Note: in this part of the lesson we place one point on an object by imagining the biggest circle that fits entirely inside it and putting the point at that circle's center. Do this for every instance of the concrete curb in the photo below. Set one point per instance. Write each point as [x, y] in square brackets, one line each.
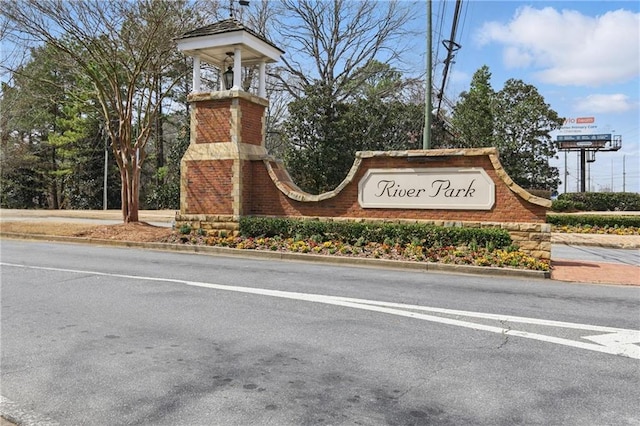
[299, 257]
[601, 244]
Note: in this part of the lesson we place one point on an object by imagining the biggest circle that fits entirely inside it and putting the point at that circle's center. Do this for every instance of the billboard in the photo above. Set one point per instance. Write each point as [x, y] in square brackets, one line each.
[583, 126]
[578, 133]
[601, 137]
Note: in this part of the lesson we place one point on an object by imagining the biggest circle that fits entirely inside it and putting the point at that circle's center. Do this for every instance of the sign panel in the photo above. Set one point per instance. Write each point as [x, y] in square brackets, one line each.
[583, 141]
[433, 188]
[583, 126]
[601, 137]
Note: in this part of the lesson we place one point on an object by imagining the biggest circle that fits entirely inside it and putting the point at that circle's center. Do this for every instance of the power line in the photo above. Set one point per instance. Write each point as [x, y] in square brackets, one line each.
[452, 46]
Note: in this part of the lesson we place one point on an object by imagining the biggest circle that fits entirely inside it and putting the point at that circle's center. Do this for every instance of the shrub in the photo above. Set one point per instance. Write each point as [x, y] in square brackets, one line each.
[185, 229]
[593, 220]
[601, 201]
[564, 206]
[361, 233]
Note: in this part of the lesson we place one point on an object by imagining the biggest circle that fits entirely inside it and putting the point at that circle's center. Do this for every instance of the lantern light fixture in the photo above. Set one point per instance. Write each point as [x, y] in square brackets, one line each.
[227, 76]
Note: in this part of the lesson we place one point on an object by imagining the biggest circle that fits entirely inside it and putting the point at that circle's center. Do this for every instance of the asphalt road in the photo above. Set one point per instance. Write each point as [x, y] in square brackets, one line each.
[109, 336]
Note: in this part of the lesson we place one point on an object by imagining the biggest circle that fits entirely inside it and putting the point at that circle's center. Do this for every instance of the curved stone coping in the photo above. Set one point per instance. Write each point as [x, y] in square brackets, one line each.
[523, 193]
[286, 185]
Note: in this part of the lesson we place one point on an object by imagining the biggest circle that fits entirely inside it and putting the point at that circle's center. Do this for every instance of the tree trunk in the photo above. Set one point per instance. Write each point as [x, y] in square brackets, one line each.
[135, 194]
[130, 177]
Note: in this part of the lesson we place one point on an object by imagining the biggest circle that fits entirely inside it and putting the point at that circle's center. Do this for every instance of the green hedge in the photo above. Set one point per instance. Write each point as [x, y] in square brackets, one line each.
[379, 232]
[597, 201]
[593, 220]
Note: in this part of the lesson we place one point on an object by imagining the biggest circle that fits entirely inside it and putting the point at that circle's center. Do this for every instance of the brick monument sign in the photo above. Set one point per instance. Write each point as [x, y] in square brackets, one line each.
[227, 173]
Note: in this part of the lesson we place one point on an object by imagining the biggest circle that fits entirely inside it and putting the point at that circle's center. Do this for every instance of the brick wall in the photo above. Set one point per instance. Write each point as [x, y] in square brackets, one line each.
[209, 187]
[268, 200]
[251, 122]
[214, 121]
[247, 187]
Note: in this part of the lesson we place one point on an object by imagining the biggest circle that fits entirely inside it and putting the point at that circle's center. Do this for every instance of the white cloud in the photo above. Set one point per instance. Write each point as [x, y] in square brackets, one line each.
[516, 58]
[569, 48]
[459, 77]
[593, 104]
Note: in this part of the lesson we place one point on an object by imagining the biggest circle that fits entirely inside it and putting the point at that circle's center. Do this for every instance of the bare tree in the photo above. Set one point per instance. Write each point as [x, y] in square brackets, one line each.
[329, 41]
[122, 48]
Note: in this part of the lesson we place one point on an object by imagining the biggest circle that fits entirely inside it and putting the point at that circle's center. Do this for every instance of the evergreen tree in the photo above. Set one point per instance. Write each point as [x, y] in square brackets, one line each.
[50, 128]
[318, 153]
[522, 125]
[517, 121]
[380, 116]
[473, 118]
[324, 134]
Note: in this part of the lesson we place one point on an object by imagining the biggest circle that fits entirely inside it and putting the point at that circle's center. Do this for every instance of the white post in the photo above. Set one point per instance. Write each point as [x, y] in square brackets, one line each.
[237, 69]
[262, 84]
[196, 74]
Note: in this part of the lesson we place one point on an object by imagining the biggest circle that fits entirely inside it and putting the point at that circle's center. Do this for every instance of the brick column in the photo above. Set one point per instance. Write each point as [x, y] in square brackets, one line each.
[227, 133]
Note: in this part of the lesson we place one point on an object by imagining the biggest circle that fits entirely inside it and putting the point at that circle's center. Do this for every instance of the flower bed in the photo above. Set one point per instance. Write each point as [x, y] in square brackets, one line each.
[595, 229]
[456, 255]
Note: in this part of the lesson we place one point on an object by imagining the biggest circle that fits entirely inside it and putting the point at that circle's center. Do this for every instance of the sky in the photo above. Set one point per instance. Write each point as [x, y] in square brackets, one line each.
[582, 56]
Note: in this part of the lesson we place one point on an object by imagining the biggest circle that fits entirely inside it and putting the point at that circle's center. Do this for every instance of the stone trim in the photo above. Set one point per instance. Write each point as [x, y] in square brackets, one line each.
[224, 151]
[523, 193]
[291, 190]
[225, 95]
[211, 224]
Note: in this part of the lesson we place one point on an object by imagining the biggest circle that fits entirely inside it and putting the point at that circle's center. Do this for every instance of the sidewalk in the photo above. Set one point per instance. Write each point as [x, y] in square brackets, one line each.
[597, 240]
[160, 216]
[602, 271]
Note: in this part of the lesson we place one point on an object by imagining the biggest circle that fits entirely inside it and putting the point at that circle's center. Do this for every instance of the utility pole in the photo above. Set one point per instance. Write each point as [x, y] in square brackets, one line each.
[624, 174]
[579, 172]
[583, 170]
[426, 139]
[566, 172]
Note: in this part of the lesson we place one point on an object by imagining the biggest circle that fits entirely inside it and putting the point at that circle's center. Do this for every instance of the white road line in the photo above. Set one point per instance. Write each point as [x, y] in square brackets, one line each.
[623, 341]
[616, 341]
